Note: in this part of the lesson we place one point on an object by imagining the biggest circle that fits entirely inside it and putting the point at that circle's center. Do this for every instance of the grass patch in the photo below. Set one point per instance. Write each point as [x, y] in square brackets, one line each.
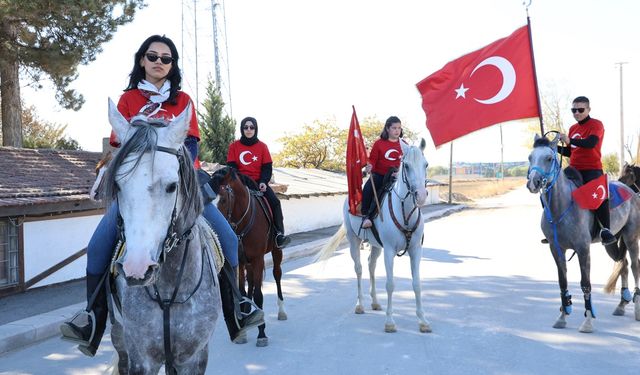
[469, 190]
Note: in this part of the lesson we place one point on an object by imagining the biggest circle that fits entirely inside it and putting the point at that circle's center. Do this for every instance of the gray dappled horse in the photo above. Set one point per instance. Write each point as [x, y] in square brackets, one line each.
[568, 226]
[400, 225]
[166, 284]
[630, 176]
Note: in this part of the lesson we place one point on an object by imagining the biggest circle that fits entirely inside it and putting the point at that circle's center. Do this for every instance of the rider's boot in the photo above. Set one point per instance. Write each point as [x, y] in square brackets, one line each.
[282, 240]
[237, 322]
[607, 237]
[87, 327]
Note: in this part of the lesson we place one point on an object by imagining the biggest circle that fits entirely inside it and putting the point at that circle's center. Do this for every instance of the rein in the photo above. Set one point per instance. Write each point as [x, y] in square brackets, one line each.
[408, 232]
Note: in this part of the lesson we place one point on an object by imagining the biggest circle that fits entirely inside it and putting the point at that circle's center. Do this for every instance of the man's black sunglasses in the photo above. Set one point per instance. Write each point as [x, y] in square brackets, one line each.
[574, 110]
[165, 59]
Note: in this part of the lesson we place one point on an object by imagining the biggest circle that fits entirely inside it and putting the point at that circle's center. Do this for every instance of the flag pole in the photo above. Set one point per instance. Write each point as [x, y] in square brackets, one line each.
[533, 63]
[375, 197]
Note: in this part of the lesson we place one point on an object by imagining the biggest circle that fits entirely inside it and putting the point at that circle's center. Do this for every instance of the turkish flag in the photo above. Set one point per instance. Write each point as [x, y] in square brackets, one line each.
[591, 195]
[356, 160]
[486, 87]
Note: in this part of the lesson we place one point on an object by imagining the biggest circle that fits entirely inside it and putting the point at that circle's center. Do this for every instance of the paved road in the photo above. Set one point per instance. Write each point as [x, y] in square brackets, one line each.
[489, 291]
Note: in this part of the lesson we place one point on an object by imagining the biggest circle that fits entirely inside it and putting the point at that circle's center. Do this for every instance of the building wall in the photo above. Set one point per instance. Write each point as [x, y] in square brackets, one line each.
[49, 242]
[305, 214]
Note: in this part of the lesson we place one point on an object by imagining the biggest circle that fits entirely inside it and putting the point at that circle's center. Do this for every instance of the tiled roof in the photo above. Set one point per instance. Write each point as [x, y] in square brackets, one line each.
[310, 182]
[39, 177]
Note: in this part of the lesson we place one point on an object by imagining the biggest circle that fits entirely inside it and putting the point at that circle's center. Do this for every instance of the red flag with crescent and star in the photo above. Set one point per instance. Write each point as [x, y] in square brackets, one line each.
[591, 195]
[356, 160]
[491, 85]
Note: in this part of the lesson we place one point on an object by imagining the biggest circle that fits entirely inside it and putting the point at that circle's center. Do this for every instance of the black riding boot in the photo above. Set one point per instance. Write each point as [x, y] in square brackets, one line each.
[282, 240]
[236, 321]
[87, 327]
[602, 214]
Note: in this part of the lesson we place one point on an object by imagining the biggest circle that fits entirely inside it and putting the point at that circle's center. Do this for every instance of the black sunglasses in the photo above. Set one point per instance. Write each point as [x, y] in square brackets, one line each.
[248, 127]
[574, 110]
[153, 58]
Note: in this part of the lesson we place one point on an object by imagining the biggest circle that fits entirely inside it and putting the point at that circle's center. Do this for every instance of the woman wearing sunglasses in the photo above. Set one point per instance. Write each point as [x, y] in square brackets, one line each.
[153, 92]
[251, 157]
[583, 147]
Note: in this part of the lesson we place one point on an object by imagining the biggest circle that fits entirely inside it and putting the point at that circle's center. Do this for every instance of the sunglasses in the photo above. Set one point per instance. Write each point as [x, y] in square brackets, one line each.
[153, 58]
[248, 127]
[580, 110]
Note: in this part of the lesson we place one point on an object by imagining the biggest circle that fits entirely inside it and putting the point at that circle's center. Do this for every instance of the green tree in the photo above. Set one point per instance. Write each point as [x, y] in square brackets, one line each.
[611, 163]
[51, 38]
[41, 134]
[316, 146]
[217, 129]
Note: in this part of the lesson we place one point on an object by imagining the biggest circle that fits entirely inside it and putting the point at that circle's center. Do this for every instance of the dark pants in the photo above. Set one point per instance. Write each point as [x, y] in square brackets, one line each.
[368, 203]
[274, 202]
[602, 212]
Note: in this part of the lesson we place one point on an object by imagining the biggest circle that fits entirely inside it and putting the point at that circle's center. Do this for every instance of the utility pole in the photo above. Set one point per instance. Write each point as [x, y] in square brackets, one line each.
[216, 51]
[195, 33]
[620, 64]
[501, 155]
[450, 171]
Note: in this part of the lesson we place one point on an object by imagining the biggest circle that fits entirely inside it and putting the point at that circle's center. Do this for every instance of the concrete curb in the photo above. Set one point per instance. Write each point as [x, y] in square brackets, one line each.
[21, 333]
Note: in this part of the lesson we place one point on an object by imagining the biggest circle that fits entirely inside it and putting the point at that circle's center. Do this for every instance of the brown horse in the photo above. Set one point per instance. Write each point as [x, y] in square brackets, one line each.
[630, 176]
[248, 214]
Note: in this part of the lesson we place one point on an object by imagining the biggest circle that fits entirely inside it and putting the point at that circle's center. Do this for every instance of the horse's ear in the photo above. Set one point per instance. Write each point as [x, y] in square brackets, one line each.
[403, 146]
[423, 144]
[177, 132]
[536, 137]
[119, 124]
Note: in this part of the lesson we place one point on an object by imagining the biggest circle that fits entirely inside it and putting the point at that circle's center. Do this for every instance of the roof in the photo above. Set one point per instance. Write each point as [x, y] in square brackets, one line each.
[45, 181]
[309, 182]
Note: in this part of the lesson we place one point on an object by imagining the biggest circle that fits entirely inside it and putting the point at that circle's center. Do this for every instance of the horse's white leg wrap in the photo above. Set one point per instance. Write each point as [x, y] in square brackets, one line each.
[373, 258]
[282, 313]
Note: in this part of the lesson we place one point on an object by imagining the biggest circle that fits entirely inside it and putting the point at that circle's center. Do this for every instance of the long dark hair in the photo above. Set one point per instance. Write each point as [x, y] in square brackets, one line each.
[137, 73]
[390, 121]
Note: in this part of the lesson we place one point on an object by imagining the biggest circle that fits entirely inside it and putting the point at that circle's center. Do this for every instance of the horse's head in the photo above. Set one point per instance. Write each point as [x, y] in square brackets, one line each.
[543, 163]
[629, 176]
[154, 183]
[414, 170]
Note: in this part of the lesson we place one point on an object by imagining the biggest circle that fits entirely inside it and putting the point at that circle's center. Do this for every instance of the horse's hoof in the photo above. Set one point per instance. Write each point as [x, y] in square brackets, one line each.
[425, 328]
[636, 310]
[359, 309]
[390, 328]
[282, 316]
[262, 342]
[560, 324]
[619, 311]
[586, 328]
[376, 306]
[241, 339]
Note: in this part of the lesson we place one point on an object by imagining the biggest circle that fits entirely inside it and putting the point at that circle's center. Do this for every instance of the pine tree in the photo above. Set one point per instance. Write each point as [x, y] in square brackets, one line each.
[216, 130]
[51, 38]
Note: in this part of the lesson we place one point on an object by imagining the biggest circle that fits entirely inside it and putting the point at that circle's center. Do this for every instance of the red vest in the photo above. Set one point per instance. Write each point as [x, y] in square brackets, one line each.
[586, 158]
[249, 159]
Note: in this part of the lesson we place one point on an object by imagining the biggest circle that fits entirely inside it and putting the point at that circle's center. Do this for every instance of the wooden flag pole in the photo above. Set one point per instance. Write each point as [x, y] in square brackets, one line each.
[375, 197]
[535, 75]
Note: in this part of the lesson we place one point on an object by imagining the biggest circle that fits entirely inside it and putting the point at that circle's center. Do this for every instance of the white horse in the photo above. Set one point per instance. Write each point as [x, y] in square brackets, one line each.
[400, 226]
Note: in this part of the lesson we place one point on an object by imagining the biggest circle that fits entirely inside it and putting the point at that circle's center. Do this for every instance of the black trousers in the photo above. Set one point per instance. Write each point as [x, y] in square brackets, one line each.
[602, 212]
[368, 203]
[274, 202]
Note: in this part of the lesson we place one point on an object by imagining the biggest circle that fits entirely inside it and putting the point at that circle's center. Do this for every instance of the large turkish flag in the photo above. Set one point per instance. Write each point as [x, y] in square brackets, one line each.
[486, 87]
[355, 161]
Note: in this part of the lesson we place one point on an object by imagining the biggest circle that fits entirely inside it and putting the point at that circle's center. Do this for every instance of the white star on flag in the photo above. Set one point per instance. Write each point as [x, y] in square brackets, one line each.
[594, 195]
[255, 158]
[460, 92]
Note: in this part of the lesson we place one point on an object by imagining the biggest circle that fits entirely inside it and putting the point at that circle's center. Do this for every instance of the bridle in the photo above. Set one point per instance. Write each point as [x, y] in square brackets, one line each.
[412, 192]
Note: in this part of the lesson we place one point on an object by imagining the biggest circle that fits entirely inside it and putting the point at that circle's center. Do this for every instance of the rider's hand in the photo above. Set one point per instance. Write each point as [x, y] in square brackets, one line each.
[262, 187]
[564, 138]
[368, 168]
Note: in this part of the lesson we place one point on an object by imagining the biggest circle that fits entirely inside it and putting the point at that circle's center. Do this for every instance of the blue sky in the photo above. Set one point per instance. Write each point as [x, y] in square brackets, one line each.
[293, 62]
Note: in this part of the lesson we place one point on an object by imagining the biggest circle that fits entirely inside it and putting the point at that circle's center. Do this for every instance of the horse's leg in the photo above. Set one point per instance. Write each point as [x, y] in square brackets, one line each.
[584, 257]
[373, 258]
[415, 257]
[197, 363]
[635, 269]
[625, 294]
[257, 267]
[276, 255]
[565, 297]
[389, 255]
[354, 250]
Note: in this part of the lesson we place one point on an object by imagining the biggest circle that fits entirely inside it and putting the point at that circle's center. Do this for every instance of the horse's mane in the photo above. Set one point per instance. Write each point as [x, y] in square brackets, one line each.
[145, 139]
[220, 173]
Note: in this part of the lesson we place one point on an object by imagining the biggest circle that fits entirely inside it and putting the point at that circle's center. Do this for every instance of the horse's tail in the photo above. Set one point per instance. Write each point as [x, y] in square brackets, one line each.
[610, 286]
[331, 246]
[113, 367]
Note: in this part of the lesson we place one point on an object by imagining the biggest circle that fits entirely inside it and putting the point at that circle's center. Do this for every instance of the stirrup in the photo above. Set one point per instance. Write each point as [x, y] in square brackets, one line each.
[364, 221]
[612, 238]
[253, 318]
[70, 332]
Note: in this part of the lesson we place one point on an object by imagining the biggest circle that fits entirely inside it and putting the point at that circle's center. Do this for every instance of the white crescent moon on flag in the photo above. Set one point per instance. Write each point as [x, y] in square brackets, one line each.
[508, 78]
[387, 155]
[242, 154]
[603, 191]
